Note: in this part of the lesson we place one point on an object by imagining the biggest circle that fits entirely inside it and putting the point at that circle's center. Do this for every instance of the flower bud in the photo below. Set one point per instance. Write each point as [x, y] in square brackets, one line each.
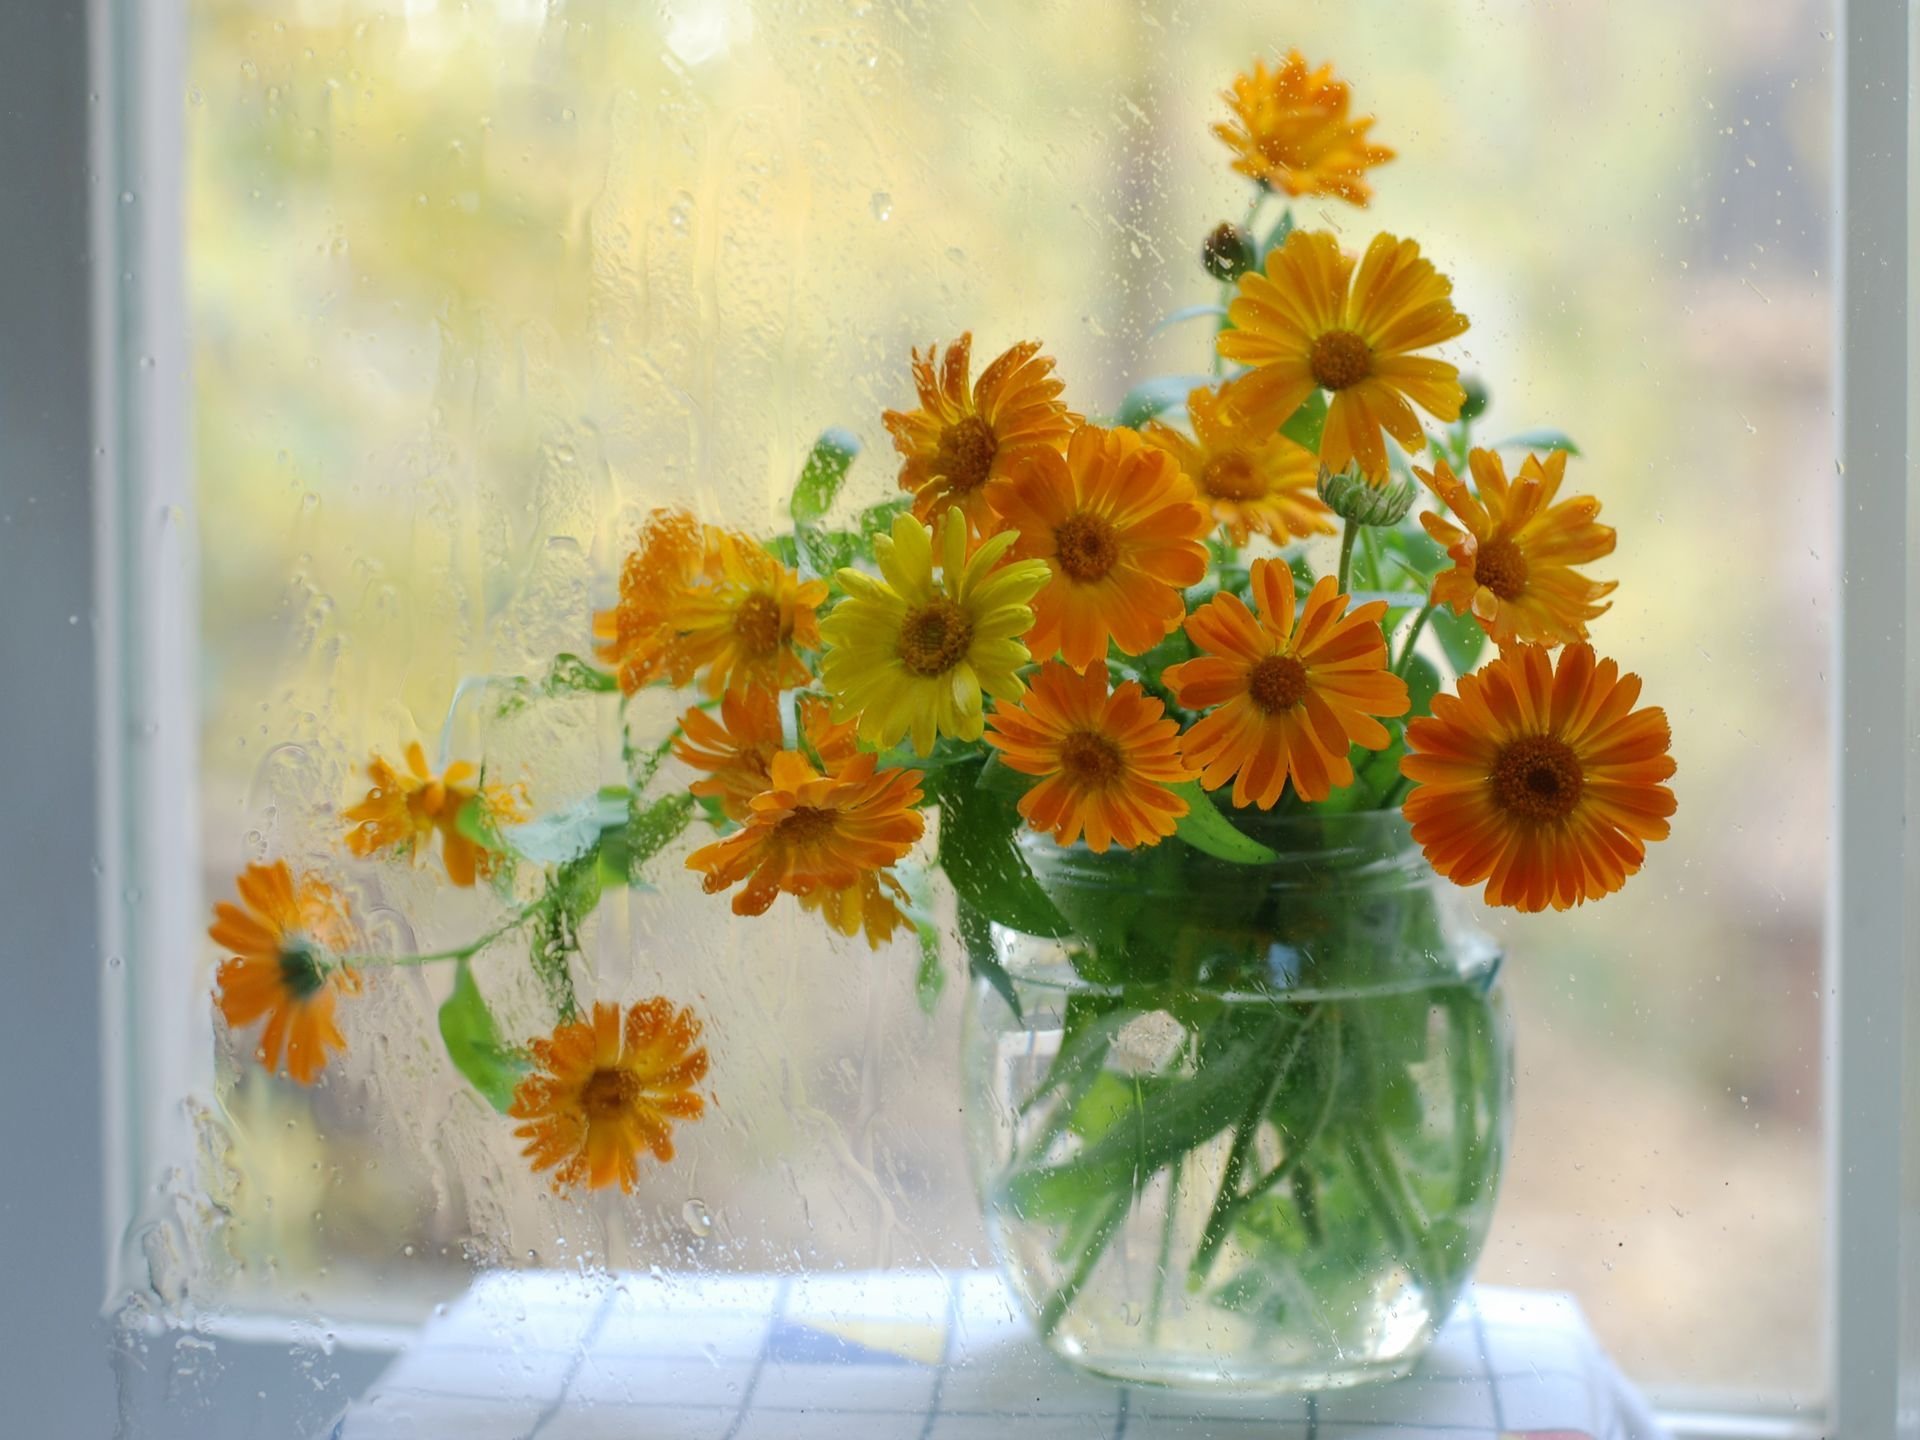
[1227, 252]
[1475, 405]
[1352, 496]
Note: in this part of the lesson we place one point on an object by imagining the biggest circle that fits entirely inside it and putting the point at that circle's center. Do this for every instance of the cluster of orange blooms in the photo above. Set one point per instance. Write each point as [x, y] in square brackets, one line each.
[1036, 548]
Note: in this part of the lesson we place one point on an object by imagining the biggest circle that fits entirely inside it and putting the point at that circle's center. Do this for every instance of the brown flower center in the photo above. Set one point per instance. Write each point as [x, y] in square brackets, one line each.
[609, 1094]
[1232, 476]
[1085, 547]
[1538, 777]
[1278, 683]
[807, 823]
[302, 971]
[1340, 358]
[1502, 568]
[934, 637]
[965, 454]
[756, 624]
[1090, 760]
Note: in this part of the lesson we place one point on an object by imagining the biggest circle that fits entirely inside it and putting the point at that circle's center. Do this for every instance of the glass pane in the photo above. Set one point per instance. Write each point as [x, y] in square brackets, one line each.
[475, 287]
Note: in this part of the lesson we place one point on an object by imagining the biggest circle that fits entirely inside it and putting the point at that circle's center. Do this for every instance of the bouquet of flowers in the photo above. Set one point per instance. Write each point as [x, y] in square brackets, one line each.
[1072, 641]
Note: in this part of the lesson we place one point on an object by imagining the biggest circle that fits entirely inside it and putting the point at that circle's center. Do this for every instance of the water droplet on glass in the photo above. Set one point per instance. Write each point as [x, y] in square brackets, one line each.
[882, 205]
[694, 1212]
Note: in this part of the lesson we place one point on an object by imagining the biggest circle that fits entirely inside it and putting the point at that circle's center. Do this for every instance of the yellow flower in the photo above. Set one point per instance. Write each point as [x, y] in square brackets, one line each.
[286, 946]
[956, 442]
[1513, 564]
[402, 810]
[1291, 131]
[870, 906]
[1254, 481]
[906, 652]
[604, 1091]
[1310, 322]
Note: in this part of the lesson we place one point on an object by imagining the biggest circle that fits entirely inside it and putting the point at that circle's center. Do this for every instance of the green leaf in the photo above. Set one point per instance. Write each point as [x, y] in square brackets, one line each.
[571, 895]
[931, 978]
[1423, 683]
[472, 1038]
[822, 475]
[1538, 440]
[877, 520]
[649, 831]
[1461, 636]
[976, 933]
[1303, 427]
[1207, 830]
[983, 864]
[783, 548]
[567, 675]
[1153, 397]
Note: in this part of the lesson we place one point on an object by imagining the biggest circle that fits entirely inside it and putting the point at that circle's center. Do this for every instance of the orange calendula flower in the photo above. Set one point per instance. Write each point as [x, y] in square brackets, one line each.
[809, 831]
[1291, 131]
[735, 750]
[1310, 322]
[1252, 480]
[605, 1090]
[286, 942]
[403, 809]
[1119, 529]
[695, 598]
[1542, 780]
[636, 636]
[869, 906]
[958, 441]
[1291, 698]
[1107, 759]
[1513, 563]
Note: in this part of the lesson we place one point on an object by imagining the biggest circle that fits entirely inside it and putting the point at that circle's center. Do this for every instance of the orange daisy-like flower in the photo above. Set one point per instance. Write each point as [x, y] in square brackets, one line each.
[1119, 528]
[637, 635]
[1252, 480]
[402, 810]
[957, 442]
[737, 750]
[1542, 780]
[1107, 759]
[730, 608]
[1513, 564]
[869, 906]
[1291, 131]
[286, 942]
[1310, 322]
[1292, 697]
[809, 831]
[604, 1091]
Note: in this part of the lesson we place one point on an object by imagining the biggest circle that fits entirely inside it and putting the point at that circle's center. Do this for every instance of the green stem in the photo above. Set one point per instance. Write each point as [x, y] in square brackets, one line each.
[1413, 638]
[1296, 1152]
[1166, 1245]
[1379, 1175]
[1347, 537]
[1108, 1225]
[458, 952]
[1215, 1234]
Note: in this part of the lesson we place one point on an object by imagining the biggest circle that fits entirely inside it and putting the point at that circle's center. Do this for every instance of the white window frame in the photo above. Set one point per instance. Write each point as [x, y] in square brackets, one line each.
[144, 750]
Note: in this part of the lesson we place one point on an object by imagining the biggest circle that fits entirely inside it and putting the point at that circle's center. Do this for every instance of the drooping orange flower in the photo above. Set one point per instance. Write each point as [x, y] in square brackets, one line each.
[956, 442]
[735, 750]
[287, 942]
[736, 612]
[1106, 760]
[1513, 563]
[1291, 131]
[1119, 528]
[1291, 698]
[1310, 322]
[809, 831]
[1542, 780]
[636, 636]
[604, 1091]
[1252, 480]
[869, 906]
[403, 809]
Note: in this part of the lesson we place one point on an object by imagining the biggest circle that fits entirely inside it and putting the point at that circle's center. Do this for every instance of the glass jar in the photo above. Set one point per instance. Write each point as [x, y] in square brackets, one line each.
[1239, 1124]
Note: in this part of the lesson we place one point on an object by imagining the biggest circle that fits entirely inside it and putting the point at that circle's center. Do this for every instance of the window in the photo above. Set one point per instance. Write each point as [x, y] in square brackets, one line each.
[470, 288]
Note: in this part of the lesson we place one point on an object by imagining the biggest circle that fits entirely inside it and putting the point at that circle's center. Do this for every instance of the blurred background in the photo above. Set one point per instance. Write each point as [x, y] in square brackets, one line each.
[475, 285]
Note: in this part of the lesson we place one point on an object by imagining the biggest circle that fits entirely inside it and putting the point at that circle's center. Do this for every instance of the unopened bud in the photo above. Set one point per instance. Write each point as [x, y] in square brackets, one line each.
[1228, 252]
[1352, 496]
[1475, 405]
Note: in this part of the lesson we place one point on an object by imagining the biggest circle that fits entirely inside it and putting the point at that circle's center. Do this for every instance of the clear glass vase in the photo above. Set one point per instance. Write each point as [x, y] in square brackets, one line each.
[1233, 1124]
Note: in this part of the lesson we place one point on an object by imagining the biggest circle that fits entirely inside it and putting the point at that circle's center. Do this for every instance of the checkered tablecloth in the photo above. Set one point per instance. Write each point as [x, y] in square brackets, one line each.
[919, 1356]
